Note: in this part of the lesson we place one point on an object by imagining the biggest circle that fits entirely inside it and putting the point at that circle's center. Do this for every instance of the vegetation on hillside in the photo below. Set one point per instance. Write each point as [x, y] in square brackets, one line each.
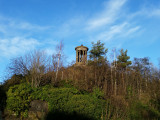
[62, 99]
[101, 90]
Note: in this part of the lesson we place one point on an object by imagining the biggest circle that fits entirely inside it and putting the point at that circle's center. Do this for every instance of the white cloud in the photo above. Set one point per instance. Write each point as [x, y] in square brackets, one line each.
[17, 45]
[132, 30]
[27, 26]
[2, 29]
[13, 27]
[17, 37]
[146, 12]
[117, 32]
[70, 27]
[154, 12]
[107, 16]
[50, 51]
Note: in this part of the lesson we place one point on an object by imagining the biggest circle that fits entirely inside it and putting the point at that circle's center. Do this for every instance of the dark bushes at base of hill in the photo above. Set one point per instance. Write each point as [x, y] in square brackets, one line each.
[69, 103]
[140, 111]
[3, 98]
[18, 99]
[62, 101]
[59, 115]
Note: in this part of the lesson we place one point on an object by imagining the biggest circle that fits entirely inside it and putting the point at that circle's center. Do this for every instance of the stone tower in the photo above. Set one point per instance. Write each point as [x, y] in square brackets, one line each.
[81, 55]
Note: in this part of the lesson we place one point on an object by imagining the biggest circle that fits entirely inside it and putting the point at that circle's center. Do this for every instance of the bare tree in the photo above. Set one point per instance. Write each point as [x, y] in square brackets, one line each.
[18, 66]
[38, 64]
[32, 64]
[114, 67]
[57, 60]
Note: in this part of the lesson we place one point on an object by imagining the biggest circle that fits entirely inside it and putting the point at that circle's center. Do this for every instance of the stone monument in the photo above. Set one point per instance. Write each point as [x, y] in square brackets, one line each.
[81, 55]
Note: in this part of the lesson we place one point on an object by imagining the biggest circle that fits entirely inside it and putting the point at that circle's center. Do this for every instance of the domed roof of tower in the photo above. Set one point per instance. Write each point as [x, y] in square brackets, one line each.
[81, 47]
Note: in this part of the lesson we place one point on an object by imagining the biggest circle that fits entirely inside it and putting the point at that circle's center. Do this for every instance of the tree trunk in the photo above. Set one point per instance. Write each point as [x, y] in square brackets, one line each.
[115, 84]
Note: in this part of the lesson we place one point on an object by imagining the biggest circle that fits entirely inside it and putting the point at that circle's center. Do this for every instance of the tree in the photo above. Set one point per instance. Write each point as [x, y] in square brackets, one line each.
[98, 51]
[98, 63]
[19, 66]
[57, 59]
[37, 68]
[32, 65]
[122, 61]
[142, 65]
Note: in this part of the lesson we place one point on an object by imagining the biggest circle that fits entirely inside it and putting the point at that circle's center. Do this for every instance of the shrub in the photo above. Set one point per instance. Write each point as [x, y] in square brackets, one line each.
[3, 98]
[18, 99]
[64, 100]
[86, 105]
[140, 111]
[97, 93]
[56, 97]
[71, 101]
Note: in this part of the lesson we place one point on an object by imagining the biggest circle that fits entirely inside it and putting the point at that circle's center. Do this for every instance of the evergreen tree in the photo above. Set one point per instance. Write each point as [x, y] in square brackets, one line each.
[123, 62]
[98, 51]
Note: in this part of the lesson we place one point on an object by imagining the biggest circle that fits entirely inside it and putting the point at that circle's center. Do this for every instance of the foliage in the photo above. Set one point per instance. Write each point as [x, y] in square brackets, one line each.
[140, 111]
[98, 51]
[3, 98]
[86, 105]
[65, 84]
[18, 99]
[142, 65]
[14, 80]
[62, 99]
[70, 100]
[59, 115]
[56, 97]
[123, 59]
[94, 91]
[32, 66]
[97, 93]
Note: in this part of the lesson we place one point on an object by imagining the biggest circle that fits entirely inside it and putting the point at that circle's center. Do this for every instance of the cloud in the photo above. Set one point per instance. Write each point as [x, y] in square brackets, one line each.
[14, 27]
[69, 27]
[107, 16]
[146, 12]
[17, 37]
[17, 45]
[28, 26]
[111, 23]
[132, 30]
[154, 12]
[50, 51]
[117, 31]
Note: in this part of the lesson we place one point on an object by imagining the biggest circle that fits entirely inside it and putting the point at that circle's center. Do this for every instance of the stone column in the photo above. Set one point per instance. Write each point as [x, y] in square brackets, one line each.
[86, 56]
[76, 56]
[83, 57]
[79, 55]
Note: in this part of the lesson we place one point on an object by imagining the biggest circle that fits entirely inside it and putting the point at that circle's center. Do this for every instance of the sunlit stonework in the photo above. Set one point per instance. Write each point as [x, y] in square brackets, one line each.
[81, 55]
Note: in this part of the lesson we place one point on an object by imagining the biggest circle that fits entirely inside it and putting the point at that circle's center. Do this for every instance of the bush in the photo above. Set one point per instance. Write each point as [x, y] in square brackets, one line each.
[59, 115]
[18, 99]
[86, 105]
[14, 80]
[3, 98]
[64, 100]
[71, 101]
[140, 111]
[97, 93]
[56, 97]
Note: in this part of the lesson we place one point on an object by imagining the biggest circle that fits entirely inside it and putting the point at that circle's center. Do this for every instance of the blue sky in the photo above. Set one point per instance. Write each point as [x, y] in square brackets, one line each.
[26, 25]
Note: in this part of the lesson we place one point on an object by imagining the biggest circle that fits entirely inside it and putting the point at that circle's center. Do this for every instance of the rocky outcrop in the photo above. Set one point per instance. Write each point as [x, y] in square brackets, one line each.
[39, 105]
[38, 110]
